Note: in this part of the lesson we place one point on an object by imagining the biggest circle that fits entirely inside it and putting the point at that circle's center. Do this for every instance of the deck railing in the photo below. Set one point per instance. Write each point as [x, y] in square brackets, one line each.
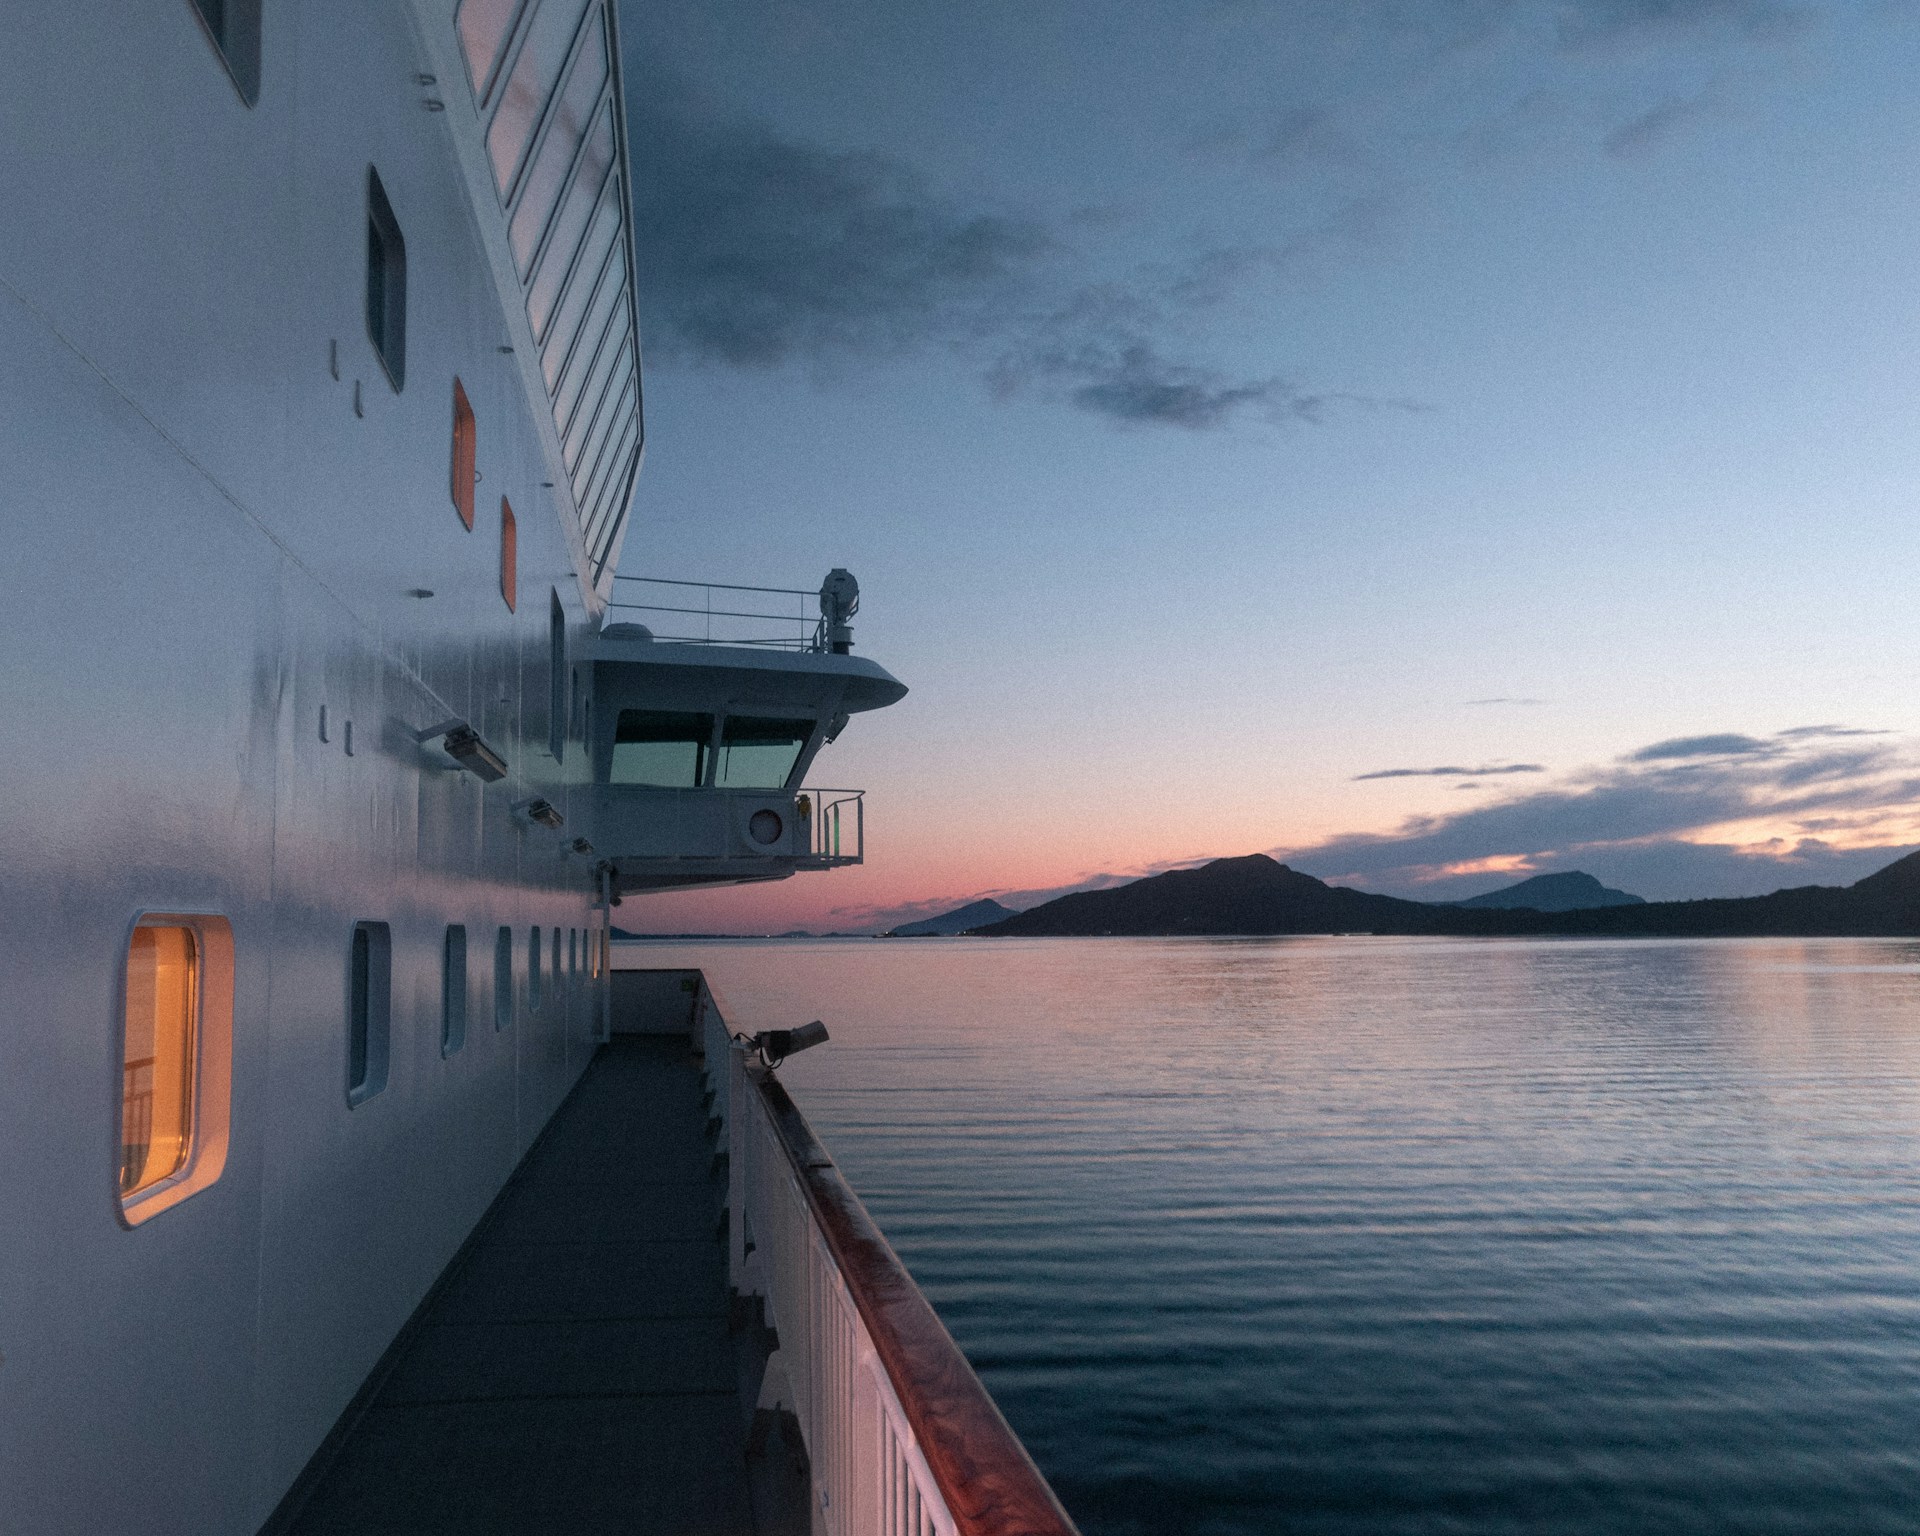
[721, 613]
[902, 1438]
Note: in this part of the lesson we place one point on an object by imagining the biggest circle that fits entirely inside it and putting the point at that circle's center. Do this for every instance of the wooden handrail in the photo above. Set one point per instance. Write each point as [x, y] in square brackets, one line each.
[989, 1482]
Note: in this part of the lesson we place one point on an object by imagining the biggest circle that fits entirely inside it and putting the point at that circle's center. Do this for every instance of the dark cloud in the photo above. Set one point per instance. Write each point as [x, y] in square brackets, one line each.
[1724, 745]
[1800, 732]
[1585, 22]
[1641, 135]
[1448, 773]
[757, 250]
[1840, 809]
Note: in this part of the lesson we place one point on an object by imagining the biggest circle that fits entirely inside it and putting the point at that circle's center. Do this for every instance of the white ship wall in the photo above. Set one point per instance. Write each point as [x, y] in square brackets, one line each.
[203, 546]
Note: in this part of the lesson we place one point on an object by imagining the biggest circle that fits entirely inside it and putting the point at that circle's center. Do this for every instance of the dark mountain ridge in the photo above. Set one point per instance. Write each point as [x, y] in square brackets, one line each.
[1561, 891]
[1256, 895]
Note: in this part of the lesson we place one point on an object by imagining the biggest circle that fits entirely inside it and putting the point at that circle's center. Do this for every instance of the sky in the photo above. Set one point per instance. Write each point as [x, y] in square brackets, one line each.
[1429, 441]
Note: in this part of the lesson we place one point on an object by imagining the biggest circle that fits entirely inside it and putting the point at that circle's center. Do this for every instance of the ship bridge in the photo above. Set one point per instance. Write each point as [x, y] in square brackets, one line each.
[713, 702]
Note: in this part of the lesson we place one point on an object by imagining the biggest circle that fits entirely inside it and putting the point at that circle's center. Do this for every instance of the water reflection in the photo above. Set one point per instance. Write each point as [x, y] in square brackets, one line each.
[1393, 1235]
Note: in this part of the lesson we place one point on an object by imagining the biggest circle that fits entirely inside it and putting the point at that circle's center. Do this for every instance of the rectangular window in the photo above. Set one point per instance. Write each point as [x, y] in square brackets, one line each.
[536, 69]
[557, 973]
[465, 450]
[386, 283]
[484, 26]
[551, 162]
[760, 754]
[453, 991]
[595, 274]
[556, 678]
[162, 1055]
[503, 978]
[533, 969]
[369, 1010]
[233, 26]
[176, 1055]
[573, 953]
[570, 224]
[662, 747]
[509, 556]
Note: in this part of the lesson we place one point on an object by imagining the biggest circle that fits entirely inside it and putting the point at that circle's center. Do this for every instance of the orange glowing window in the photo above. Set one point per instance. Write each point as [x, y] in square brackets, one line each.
[509, 556]
[463, 454]
[157, 1075]
[175, 1039]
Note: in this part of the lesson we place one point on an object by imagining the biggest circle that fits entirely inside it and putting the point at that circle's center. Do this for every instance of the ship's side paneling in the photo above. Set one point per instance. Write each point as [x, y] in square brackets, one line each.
[210, 545]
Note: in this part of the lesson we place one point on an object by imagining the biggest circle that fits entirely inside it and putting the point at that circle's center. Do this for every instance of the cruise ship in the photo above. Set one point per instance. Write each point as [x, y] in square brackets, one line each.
[351, 1186]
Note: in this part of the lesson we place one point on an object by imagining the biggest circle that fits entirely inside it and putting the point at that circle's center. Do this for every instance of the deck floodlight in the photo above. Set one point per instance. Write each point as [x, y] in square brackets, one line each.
[462, 743]
[776, 1045]
[839, 602]
[582, 847]
[543, 811]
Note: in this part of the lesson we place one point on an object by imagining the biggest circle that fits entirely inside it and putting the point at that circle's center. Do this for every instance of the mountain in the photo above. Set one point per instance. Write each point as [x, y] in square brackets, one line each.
[975, 914]
[1256, 895]
[1567, 891]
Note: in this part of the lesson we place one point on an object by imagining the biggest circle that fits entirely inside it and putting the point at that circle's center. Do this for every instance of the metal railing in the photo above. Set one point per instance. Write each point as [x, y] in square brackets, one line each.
[901, 1437]
[836, 823]
[688, 608]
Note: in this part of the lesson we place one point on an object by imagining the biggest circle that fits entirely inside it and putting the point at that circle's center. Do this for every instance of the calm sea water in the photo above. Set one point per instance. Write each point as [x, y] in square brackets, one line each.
[1393, 1236]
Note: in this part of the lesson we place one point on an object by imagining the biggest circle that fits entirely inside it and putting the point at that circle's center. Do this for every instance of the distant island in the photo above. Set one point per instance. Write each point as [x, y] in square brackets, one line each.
[975, 914]
[1566, 891]
[1257, 895]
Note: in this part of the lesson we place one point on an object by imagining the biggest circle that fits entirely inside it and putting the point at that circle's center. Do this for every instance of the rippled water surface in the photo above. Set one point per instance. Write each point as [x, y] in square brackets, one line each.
[1386, 1236]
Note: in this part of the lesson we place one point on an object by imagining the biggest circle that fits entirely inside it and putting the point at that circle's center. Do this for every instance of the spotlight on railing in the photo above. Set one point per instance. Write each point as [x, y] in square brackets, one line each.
[776, 1045]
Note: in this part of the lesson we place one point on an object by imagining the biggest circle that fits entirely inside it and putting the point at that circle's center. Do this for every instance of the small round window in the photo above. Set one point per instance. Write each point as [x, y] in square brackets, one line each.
[765, 827]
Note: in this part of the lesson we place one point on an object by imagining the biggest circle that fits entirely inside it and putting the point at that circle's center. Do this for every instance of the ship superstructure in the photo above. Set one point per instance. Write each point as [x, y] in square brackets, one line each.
[320, 430]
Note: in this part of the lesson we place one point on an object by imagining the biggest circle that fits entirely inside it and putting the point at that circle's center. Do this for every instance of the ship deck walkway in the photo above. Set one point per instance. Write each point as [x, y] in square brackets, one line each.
[574, 1371]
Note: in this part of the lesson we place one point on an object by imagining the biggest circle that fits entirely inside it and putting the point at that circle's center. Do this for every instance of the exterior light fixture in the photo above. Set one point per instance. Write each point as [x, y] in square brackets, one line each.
[582, 847]
[542, 811]
[462, 743]
[776, 1045]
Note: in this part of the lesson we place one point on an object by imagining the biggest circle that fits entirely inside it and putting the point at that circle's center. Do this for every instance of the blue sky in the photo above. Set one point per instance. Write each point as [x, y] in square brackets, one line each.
[1227, 406]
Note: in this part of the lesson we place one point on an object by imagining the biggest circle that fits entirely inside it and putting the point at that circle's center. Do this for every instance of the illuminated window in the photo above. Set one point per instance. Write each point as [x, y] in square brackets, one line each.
[386, 283]
[175, 1058]
[663, 747]
[559, 145]
[369, 1010]
[509, 557]
[533, 969]
[760, 754]
[464, 449]
[234, 29]
[453, 991]
[503, 978]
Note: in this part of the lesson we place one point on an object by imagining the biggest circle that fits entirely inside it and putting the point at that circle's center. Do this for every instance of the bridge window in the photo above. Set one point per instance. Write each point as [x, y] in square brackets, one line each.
[533, 969]
[760, 754]
[369, 1010]
[484, 26]
[386, 283]
[661, 747]
[233, 26]
[523, 101]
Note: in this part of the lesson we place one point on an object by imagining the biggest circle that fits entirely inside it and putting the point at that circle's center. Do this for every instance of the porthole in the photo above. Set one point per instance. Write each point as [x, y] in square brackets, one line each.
[765, 826]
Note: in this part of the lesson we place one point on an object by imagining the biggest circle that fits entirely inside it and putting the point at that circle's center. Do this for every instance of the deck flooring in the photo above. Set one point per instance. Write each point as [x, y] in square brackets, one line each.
[575, 1372]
